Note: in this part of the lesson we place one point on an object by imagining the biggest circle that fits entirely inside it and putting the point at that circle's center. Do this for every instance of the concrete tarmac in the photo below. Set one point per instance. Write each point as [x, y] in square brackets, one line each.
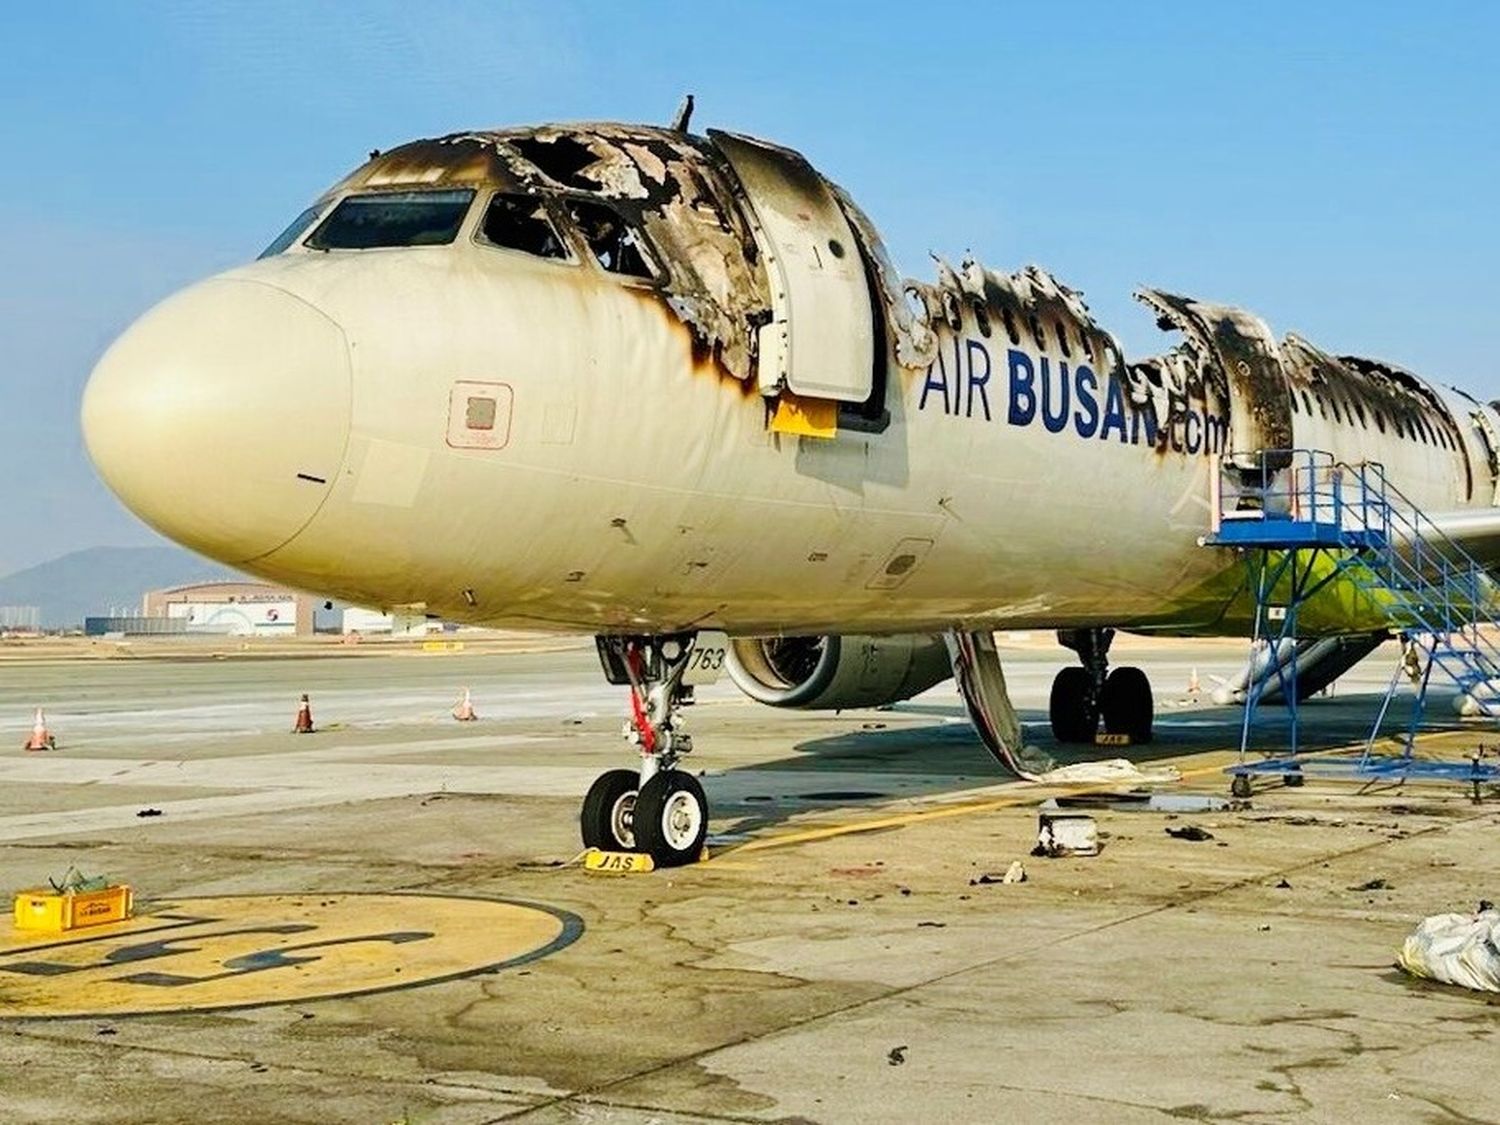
[381, 922]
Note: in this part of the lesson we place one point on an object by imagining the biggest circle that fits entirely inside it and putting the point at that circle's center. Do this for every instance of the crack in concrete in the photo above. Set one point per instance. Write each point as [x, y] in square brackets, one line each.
[593, 1093]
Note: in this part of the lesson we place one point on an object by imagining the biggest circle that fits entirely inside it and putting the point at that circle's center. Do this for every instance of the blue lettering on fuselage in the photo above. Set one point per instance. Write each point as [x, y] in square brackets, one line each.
[941, 382]
[1063, 396]
[1054, 402]
[1086, 417]
[1022, 389]
[978, 382]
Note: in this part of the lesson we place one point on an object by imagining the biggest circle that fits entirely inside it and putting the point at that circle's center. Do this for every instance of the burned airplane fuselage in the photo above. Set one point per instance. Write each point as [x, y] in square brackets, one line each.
[614, 378]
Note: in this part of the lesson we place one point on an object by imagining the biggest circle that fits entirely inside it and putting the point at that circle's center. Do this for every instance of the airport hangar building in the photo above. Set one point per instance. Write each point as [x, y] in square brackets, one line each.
[234, 608]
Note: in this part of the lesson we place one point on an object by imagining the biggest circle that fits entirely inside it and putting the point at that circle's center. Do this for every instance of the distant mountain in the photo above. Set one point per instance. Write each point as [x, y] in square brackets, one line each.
[94, 581]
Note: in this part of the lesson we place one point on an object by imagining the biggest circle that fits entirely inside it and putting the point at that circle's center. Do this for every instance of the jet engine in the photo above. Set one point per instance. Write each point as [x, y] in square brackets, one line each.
[825, 673]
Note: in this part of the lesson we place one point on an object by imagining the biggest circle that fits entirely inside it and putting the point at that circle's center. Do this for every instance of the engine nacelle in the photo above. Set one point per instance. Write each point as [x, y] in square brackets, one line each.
[832, 673]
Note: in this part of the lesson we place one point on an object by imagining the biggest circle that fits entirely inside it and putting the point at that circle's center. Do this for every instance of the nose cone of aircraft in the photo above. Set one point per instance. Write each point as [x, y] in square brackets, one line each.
[221, 416]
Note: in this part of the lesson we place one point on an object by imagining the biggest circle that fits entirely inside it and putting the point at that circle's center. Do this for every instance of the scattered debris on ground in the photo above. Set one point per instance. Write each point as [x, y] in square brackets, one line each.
[1189, 832]
[1374, 885]
[1133, 801]
[1108, 771]
[1062, 833]
[149, 812]
[896, 1055]
[1015, 873]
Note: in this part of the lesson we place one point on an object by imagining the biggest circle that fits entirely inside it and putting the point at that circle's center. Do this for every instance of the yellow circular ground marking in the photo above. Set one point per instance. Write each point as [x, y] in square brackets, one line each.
[200, 954]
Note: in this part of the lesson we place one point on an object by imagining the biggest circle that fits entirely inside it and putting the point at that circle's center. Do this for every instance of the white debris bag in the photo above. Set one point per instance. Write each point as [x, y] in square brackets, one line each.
[1461, 949]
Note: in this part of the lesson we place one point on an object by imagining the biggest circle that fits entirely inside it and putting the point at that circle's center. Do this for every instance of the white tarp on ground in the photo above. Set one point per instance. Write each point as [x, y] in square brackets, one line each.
[1462, 949]
[1109, 771]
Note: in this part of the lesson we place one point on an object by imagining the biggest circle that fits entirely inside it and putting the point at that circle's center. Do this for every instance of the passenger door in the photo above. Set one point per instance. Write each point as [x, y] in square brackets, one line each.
[821, 339]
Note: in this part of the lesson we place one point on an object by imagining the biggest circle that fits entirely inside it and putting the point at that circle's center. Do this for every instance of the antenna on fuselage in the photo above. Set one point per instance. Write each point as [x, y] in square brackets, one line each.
[684, 115]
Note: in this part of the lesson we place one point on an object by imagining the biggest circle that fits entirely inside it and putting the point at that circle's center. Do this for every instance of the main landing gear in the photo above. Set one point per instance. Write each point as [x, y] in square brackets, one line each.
[1082, 696]
[659, 809]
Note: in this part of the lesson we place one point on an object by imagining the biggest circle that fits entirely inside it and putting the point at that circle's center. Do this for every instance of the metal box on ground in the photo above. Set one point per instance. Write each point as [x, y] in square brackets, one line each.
[1061, 832]
[59, 911]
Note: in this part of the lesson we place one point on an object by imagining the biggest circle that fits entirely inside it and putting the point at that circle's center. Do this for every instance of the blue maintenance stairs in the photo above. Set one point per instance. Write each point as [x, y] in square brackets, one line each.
[1307, 520]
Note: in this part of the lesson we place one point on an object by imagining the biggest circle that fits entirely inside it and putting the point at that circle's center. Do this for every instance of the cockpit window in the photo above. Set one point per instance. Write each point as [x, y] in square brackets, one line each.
[519, 222]
[617, 245]
[393, 218]
[294, 231]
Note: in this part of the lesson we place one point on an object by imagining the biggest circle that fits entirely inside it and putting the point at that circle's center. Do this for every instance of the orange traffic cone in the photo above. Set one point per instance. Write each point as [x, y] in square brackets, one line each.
[41, 738]
[464, 712]
[1193, 686]
[303, 723]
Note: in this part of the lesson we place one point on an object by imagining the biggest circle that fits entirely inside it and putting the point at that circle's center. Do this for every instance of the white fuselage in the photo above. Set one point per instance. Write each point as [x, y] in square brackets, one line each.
[301, 418]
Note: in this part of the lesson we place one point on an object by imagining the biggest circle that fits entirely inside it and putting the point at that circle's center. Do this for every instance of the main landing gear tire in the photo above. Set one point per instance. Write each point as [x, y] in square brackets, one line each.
[1240, 787]
[671, 818]
[609, 812]
[1126, 704]
[1071, 709]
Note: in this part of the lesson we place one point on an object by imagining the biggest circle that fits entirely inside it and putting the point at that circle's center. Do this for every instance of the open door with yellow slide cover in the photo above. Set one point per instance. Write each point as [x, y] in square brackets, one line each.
[820, 342]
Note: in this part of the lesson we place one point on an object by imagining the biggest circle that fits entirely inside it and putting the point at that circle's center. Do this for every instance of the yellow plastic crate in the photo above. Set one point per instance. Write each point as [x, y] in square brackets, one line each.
[59, 911]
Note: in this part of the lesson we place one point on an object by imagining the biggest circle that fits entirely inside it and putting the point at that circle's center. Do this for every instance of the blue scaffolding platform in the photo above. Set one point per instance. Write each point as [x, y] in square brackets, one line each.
[1304, 520]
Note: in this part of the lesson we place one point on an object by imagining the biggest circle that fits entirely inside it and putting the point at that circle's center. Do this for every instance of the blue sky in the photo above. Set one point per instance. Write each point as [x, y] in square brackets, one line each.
[1333, 167]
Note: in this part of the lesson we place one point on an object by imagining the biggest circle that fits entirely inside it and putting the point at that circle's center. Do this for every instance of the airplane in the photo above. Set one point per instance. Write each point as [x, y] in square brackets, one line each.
[668, 389]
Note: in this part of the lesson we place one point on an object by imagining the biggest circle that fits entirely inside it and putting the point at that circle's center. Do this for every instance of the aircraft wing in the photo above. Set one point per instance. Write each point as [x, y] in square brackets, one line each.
[1476, 530]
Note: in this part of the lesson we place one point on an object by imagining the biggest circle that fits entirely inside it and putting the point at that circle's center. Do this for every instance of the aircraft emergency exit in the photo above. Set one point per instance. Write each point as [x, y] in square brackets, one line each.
[669, 390]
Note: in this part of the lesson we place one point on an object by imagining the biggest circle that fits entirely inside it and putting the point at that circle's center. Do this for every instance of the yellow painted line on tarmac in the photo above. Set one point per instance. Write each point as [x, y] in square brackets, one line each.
[969, 808]
[918, 816]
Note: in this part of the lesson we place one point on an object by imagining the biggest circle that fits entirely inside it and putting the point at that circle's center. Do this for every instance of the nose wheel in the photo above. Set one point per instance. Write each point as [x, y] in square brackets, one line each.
[659, 810]
[671, 818]
[608, 813]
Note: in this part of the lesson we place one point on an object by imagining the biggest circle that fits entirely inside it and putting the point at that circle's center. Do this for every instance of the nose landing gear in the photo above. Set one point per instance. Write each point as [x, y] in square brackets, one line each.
[659, 810]
[1081, 696]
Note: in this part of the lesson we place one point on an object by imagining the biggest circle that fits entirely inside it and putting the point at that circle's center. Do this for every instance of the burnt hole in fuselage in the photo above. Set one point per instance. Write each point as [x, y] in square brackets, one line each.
[982, 319]
[561, 159]
[1036, 332]
[1010, 326]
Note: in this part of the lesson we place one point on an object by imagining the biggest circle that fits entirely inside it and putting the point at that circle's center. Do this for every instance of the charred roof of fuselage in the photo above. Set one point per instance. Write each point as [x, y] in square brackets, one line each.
[672, 186]
[1034, 306]
[1367, 389]
[1029, 303]
[579, 156]
[677, 188]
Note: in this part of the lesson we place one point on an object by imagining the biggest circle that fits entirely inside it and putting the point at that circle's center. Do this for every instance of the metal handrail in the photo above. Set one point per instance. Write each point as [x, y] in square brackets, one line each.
[1435, 583]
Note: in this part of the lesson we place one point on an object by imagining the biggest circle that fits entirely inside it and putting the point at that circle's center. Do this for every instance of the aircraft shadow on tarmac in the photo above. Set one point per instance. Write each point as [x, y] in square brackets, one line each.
[877, 763]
